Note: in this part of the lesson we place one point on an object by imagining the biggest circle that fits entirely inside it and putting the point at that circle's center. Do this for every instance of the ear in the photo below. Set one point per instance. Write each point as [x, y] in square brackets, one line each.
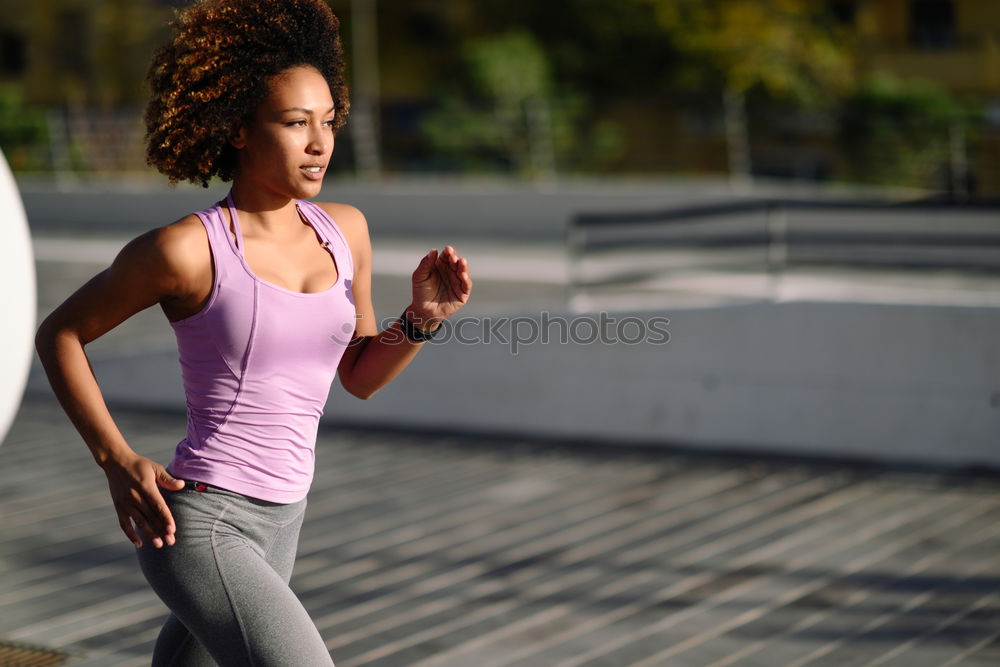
[239, 138]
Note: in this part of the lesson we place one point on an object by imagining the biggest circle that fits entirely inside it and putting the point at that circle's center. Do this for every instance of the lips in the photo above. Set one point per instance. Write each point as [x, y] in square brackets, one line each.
[314, 171]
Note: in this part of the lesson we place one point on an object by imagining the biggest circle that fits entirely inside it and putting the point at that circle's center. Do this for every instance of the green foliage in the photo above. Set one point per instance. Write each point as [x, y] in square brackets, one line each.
[510, 68]
[23, 129]
[510, 111]
[896, 132]
[790, 48]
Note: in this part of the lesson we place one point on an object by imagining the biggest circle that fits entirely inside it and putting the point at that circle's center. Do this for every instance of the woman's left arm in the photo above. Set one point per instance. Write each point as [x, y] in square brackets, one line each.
[440, 286]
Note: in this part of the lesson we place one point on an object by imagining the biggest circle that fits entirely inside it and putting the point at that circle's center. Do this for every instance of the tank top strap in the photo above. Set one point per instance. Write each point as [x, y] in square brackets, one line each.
[331, 234]
[222, 243]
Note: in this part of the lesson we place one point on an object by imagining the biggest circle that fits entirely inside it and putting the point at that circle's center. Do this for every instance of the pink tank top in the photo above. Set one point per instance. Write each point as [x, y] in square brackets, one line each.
[258, 362]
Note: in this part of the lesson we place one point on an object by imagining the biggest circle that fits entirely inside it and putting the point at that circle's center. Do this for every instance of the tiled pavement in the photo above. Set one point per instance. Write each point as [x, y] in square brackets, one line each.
[457, 550]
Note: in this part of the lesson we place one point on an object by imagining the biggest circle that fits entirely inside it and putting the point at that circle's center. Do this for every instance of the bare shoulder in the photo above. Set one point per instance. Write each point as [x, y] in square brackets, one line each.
[183, 238]
[176, 256]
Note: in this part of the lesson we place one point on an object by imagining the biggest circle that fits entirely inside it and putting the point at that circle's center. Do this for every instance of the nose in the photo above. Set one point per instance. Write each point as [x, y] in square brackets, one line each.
[319, 142]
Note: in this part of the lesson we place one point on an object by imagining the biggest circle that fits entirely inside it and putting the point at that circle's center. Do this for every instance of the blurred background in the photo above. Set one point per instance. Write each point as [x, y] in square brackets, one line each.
[899, 93]
[805, 189]
[802, 194]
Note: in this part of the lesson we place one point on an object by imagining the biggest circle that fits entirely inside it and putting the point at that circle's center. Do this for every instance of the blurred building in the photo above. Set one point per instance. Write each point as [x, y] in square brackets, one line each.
[955, 43]
[82, 63]
[951, 44]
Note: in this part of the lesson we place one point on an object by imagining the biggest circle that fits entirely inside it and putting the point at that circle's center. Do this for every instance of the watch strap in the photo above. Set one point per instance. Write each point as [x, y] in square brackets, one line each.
[414, 334]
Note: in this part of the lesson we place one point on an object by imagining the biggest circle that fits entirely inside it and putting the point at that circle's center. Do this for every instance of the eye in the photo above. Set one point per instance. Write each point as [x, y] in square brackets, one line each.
[295, 123]
[328, 122]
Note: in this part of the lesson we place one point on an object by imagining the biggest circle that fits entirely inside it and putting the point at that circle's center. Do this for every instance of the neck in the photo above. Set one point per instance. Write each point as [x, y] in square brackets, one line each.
[263, 210]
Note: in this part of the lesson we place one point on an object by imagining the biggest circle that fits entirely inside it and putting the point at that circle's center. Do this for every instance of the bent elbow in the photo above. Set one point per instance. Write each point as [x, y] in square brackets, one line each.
[51, 337]
[357, 390]
[363, 394]
[44, 337]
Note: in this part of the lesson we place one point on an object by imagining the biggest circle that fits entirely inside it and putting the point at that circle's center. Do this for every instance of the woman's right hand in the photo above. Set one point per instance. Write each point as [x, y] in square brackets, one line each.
[134, 483]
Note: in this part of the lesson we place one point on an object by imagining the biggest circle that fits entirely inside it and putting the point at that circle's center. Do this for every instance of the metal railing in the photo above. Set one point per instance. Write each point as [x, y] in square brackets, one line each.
[633, 250]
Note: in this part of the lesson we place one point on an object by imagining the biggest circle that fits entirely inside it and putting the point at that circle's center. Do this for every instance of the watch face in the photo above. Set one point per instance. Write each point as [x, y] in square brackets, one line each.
[17, 270]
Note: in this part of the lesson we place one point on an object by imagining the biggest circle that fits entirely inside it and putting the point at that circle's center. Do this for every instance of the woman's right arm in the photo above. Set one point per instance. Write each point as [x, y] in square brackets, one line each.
[159, 265]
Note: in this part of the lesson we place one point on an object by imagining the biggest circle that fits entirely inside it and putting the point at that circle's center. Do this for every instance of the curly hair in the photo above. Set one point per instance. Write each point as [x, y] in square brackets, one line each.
[214, 72]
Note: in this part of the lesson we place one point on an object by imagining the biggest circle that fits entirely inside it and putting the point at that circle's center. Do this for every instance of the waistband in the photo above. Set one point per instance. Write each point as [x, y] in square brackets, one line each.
[202, 487]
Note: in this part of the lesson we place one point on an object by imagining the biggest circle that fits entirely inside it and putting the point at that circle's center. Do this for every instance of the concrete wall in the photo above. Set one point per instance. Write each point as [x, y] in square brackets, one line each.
[907, 384]
[911, 384]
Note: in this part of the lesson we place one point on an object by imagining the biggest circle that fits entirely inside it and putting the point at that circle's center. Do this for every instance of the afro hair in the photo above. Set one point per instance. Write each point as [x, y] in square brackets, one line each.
[211, 76]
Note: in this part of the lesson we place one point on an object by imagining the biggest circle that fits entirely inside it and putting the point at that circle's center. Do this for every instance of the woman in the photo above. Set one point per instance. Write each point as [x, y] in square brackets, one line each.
[269, 296]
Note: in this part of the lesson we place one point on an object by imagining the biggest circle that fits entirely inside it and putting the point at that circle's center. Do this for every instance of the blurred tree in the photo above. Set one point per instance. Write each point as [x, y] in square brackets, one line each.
[902, 133]
[608, 49]
[515, 112]
[792, 49]
[90, 53]
[23, 129]
[85, 64]
[125, 27]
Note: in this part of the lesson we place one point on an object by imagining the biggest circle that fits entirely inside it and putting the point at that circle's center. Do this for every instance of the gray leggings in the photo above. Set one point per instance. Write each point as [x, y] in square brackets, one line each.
[225, 581]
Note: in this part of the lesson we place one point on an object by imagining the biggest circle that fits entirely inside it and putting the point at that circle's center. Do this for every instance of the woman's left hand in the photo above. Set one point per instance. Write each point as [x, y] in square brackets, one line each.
[441, 285]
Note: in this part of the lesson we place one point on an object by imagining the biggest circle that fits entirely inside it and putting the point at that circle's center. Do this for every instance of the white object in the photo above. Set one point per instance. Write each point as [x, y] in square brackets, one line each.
[17, 275]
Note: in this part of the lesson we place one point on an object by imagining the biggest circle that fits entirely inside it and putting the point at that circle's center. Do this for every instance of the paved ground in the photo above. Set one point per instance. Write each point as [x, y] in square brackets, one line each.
[448, 550]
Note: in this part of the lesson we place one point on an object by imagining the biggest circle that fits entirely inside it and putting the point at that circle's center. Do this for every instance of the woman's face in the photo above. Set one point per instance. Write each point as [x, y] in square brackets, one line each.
[287, 146]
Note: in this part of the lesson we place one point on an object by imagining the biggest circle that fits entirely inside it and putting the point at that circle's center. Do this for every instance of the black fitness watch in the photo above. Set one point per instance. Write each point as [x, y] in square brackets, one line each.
[414, 334]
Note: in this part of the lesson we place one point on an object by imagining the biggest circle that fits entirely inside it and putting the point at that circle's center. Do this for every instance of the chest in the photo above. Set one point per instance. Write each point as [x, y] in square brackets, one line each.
[299, 264]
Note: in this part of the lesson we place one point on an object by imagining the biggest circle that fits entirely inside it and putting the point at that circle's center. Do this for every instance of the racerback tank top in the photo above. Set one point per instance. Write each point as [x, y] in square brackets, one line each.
[257, 363]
